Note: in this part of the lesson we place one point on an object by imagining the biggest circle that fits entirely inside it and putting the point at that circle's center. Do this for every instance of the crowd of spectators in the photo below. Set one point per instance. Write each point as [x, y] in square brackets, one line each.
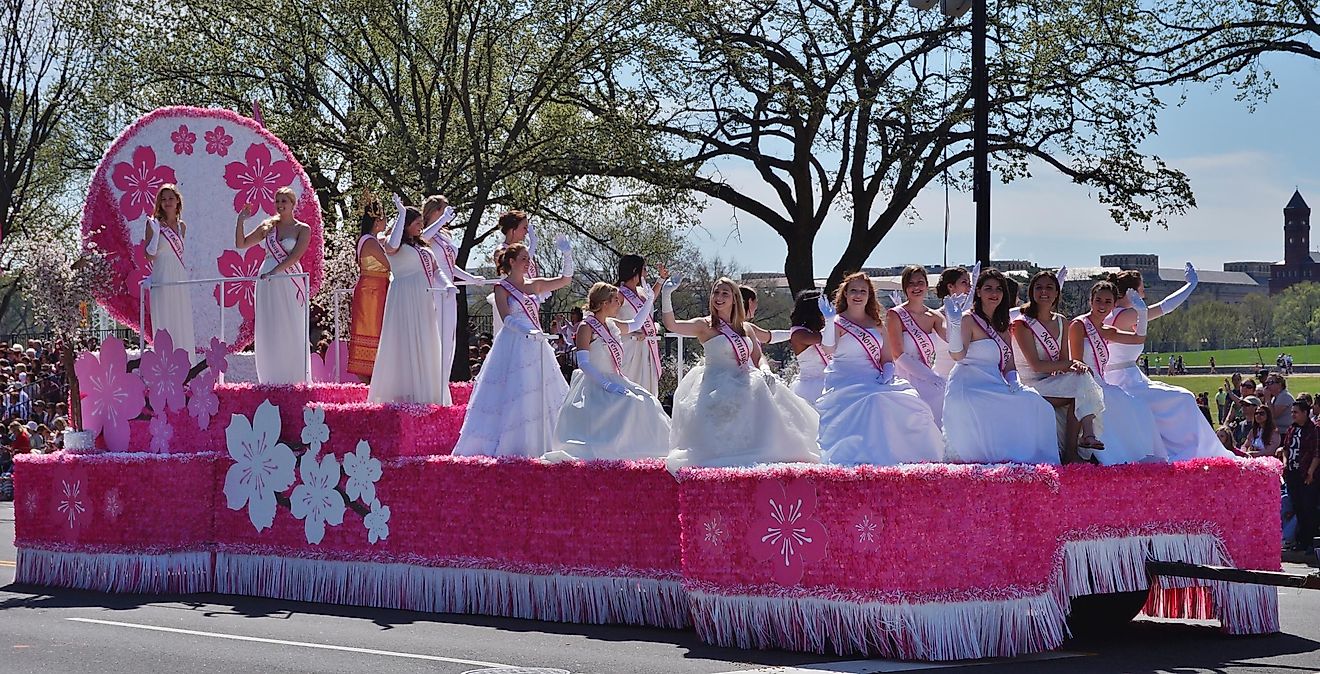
[33, 411]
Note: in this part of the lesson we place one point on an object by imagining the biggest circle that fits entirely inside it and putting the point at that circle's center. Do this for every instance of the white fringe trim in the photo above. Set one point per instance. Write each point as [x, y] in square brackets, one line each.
[172, 573]
[574, 599]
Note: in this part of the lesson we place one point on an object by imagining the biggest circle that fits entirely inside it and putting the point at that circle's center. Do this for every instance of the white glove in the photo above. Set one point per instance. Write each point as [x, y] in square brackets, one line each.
[777, 336]
[521, 325]
[1189, 275]
[531, 238]
[153, 226]
[1061, 276]
[667, 294]
[1143, 313]
[566, 256]
[445, 218]
[915, 369]
[591, 372]
[953, 313]
[396, 231]
[1013, 383]
[886, 373]
[643, 313]
[1180, 295]
[828, 335]
[896, 297]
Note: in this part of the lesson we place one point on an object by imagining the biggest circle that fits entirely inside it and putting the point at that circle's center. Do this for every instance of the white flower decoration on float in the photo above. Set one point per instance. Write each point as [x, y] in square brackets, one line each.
[315, 433]
[263, 466]
[161, 434]
[377, 522]
[317, 500]
[363, 472]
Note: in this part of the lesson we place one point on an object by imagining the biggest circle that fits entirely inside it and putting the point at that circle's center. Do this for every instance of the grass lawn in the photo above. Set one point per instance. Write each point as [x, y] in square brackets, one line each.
[1309, 353]
[1297, 385]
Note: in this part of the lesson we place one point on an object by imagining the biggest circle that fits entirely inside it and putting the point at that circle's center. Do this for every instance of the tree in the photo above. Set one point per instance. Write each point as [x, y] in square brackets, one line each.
[847, 109]
[1294, 310]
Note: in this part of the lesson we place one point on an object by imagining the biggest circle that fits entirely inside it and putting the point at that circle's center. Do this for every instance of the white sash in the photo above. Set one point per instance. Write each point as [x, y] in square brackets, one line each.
[172, 237]
[527, 303]
[1005, 351]
[925, 347]
[276, 250]
[741, 352]
[648, 328]
[1098, 345]
[870, 345]
[607, 338]
[1052, 348]
[824, 357]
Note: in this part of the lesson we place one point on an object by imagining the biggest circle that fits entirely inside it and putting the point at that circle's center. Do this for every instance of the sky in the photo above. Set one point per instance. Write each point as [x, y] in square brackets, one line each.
[1243, 166]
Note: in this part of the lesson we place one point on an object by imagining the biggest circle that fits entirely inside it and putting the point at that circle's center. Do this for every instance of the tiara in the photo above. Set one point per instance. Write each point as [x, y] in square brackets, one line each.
[370, 206]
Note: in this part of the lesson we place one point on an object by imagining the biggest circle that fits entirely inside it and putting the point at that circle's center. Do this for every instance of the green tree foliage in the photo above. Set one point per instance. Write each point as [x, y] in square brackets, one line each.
[1295, 314]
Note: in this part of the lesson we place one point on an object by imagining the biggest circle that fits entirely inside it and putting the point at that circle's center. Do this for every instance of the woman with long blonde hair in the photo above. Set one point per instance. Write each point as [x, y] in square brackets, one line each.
[171, 305]
[437, 214]
[283, 353]
[726, 411]
[606, 415]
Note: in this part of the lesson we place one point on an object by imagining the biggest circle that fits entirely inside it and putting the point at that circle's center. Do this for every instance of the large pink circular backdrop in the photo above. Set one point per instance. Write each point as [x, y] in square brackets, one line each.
[221, 161]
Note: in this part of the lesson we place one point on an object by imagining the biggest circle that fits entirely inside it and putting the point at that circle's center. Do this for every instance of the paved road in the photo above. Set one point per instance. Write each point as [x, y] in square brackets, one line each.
[47, 630]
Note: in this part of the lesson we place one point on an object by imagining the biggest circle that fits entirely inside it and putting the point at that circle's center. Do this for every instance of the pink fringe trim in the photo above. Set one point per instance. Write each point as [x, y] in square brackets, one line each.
[171, 573]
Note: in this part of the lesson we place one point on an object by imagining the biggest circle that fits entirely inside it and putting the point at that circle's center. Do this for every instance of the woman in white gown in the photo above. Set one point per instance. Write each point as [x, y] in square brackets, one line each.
[408, 360]
[953, 281]
[1045, 363]
[641, 346]
[515, 404]
[914, 332]
[1129, 433]
[516, 226]
[805, 340]
[436, 216]
[989, 416]
[281, 346]
[1186, 433]
[726, 411]
[171, 306]
[867, 415]
[607, 415]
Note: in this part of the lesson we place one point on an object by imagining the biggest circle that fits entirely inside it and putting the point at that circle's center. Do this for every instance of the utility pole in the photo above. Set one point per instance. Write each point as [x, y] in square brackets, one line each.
[980, 132]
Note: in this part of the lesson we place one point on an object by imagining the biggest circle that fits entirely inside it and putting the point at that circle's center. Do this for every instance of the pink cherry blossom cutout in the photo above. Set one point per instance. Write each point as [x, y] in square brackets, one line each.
[111, 395]
[140, 180]
[256, 179]
[787, 534]
[218, 141]
[232, 264]
[183, 140]
[163, 370]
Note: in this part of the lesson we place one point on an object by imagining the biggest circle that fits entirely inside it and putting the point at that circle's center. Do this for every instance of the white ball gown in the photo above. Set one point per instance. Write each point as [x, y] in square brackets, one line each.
[810, 381]
[408, 360]
[728, 413]
[986, 421]
[920, 370]
[1186, 433]
[1082, 388]
[1129, 433]
[641, 353]
[446, 304]
[943, 365]
[283, 354]
[515, 403]
[171, 306]
[864, 420]
[598, 424]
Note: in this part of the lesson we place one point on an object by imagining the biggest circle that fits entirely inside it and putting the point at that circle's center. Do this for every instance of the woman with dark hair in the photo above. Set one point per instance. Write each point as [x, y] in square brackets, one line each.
[515, 404]
[914, 332]
[1263, 437]
[516, 226]
[408, 361]
[954, 282]
[436, 216]
[805, 340]
[641, 347]
[1045, 362]
[867, 414]
[373, 284]
[989, 416]
[1186, 434]
[726, 411]
[1129, 432]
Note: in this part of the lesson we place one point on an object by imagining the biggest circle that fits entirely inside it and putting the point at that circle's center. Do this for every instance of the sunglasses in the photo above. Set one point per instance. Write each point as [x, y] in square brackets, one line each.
[1260, 414]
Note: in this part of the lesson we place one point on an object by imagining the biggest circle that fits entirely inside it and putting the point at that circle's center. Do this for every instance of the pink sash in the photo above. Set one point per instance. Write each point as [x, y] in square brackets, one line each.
[172, 237]
[528, 305]
[607, 338]
[1005, 351]
[276, 250]
[741, 352]
[1052, 348]
[1098, 345]
[824, 358]
[925, 347]
[451, 253]
[870, 345]
[429, 265]
[648, 328]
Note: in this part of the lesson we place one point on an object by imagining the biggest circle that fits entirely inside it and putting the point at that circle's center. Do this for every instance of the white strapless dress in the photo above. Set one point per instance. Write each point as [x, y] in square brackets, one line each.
[1129, 433]
[864, 421]
[728, 415]
[987, 422]
[1085, 393]
[280, 342]
[639, 354]
[943, 361]
[810, 381]
[597, 424]
[171, 306]
[409, 361]
[930, 388]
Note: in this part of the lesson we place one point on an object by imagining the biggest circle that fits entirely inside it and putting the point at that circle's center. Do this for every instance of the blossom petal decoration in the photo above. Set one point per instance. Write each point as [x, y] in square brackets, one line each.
[787, 534]
[161, 434]
[363, 472]
[263, 466]
[183, 140]
[377, 522]
[139, 180]
[163, 370]
[315, 433]
[217, 356]
[256, 178]
[317, 500]
[72, 501]
[114, 505]
[204, 403]
[323, 367]
[232, 264]
[111, 395]
[218, 141]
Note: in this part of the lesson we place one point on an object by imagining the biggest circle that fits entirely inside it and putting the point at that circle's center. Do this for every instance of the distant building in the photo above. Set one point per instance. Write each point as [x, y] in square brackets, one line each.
[1299, 263]
[1256, 270]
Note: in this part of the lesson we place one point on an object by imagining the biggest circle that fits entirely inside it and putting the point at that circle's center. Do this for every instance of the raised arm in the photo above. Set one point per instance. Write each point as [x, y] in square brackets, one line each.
[151, 241]
[1177, 297]
[688, 328]
[393, 239]
[243, 239]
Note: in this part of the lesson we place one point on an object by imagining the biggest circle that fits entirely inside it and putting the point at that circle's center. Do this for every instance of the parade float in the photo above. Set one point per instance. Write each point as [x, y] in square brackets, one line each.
[310, 493]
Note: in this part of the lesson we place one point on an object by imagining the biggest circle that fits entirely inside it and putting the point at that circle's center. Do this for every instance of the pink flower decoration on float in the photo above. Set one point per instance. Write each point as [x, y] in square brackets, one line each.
[217, 357]
[140, 180]
[257, 178]
[163, 371]
[323, 367]
[72, 501]
[161, 434]
[218, 141]
[111, 394]
[242, 293]
[787, 534]
[204, 403]
[183, 140]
